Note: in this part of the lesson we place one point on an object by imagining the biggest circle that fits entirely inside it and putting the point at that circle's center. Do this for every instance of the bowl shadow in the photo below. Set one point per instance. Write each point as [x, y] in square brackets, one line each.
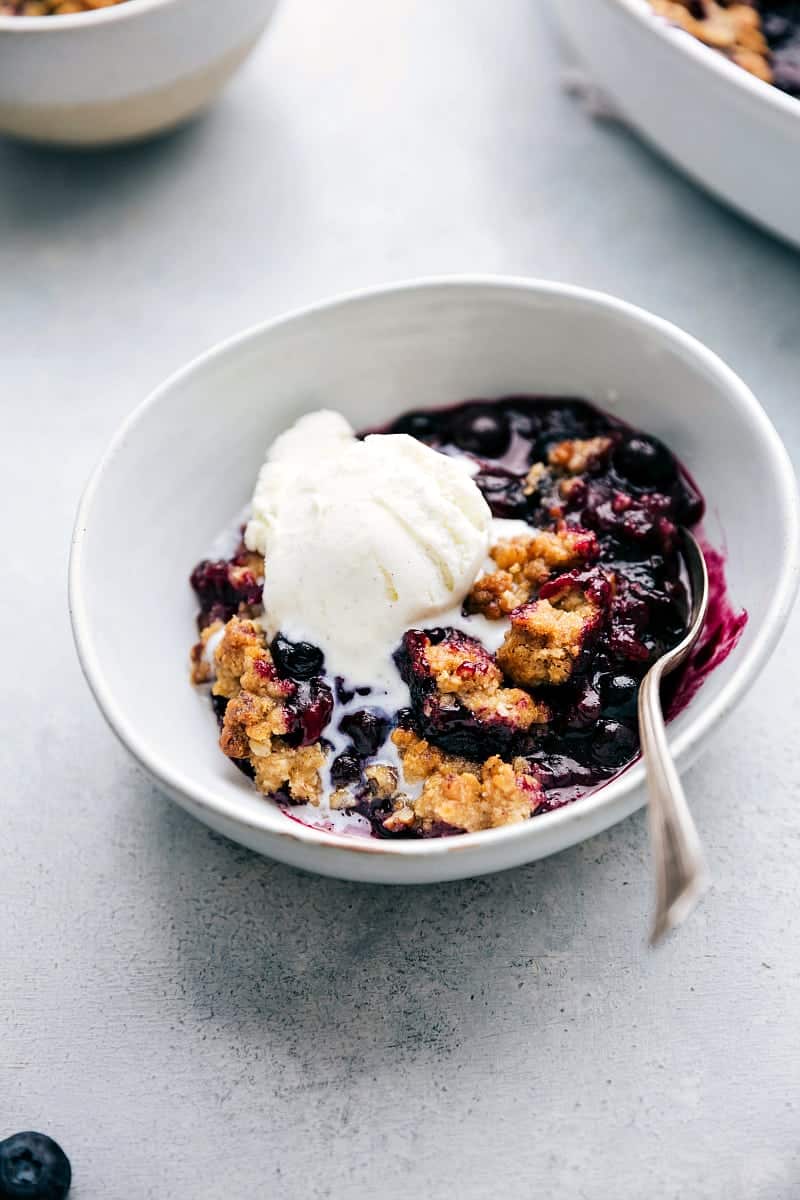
[344, 975]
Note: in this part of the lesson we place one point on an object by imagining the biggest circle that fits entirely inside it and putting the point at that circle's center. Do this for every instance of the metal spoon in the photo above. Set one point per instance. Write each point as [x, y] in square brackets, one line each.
[681, 876]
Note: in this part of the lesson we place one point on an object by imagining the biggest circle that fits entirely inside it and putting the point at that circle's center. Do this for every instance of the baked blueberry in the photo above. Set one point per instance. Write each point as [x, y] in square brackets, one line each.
[33, 1167]
[613, 743]
[311, 709]
[620, 689]
[420, 425]
[503, 492]
[297, 660]
[367, 730]
[645, 461]
[482, 430]
[345, 768]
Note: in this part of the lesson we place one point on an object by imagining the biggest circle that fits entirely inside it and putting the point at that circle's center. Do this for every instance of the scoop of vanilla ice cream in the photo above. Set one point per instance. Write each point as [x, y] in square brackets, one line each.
[363, 540]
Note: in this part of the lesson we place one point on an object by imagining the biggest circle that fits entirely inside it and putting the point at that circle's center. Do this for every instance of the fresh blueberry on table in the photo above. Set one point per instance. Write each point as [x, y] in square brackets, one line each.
[33, 1167]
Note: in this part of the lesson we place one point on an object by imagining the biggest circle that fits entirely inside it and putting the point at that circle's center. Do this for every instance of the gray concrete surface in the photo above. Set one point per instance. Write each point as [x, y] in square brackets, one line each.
[195, 1023]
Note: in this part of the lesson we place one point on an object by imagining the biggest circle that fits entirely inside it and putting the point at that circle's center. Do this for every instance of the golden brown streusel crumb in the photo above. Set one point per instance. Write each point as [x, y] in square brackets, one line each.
[403, 819]
[421, 759]
[463, 795]
[256, 718]
[381, 780]
[250, 723]
[497, 594]
[508, 704]
[342, 799]
[576, 455]
[733, 29]
[200, 668]
[459, 672]
[297, 768]
[545, 639]
[538, 473]
[243, 662]
[525, 564]
[476, 679]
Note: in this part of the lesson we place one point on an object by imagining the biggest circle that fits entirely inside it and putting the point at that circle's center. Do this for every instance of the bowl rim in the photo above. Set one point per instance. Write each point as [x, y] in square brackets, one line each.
[710, 59]
[69, 21]
[205, 799]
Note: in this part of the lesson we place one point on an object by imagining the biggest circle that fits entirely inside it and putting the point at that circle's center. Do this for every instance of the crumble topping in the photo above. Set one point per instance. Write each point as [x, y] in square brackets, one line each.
[525, 563]
[257, 720]
[576, 455]
[733, 29]
[457, 667]
[460, 794]
[547, 636]
[200, 668]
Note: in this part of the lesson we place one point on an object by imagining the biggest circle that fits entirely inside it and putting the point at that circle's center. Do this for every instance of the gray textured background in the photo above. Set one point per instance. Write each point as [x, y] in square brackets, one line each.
[194, 1022]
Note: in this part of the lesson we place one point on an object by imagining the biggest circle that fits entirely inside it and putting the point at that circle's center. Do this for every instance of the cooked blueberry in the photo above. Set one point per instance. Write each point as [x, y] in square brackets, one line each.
[588, 706]
[311, 708]
[613, 743]
[209, 580]
[345, 768]
[524, 420]
[620, 689]
[482, 430]
[421, 425]
[367, 730]
[298, 660]
[503, 493]
[689, 504]
[786, 74]
[33, 1167]
[645, 461]
[776, 27]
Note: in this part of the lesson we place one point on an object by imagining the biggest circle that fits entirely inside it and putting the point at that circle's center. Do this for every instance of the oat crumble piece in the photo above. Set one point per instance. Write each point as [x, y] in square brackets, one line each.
[257, 719]
[381, 785]
[200, 669]
[546, 638]
[294, 767]
[576, 455]
[538, 475]
[524, 565]
[459, 794]
[463, 668]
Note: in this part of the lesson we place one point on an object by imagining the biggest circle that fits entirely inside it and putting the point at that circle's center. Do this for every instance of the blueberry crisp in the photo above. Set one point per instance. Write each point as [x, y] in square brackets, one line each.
[762, 36]
[441, 627]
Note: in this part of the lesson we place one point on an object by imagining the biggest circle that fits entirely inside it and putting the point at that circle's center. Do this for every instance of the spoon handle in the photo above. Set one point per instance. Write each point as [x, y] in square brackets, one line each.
[681, 876]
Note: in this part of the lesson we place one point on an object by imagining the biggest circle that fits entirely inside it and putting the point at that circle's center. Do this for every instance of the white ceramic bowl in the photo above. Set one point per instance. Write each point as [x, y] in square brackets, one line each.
[734, 134]
[122, 73]
[184, 464]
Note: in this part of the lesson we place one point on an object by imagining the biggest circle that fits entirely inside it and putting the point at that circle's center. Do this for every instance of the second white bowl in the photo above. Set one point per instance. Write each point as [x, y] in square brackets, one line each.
[184, 464]
[734, 134]
[122, 73]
